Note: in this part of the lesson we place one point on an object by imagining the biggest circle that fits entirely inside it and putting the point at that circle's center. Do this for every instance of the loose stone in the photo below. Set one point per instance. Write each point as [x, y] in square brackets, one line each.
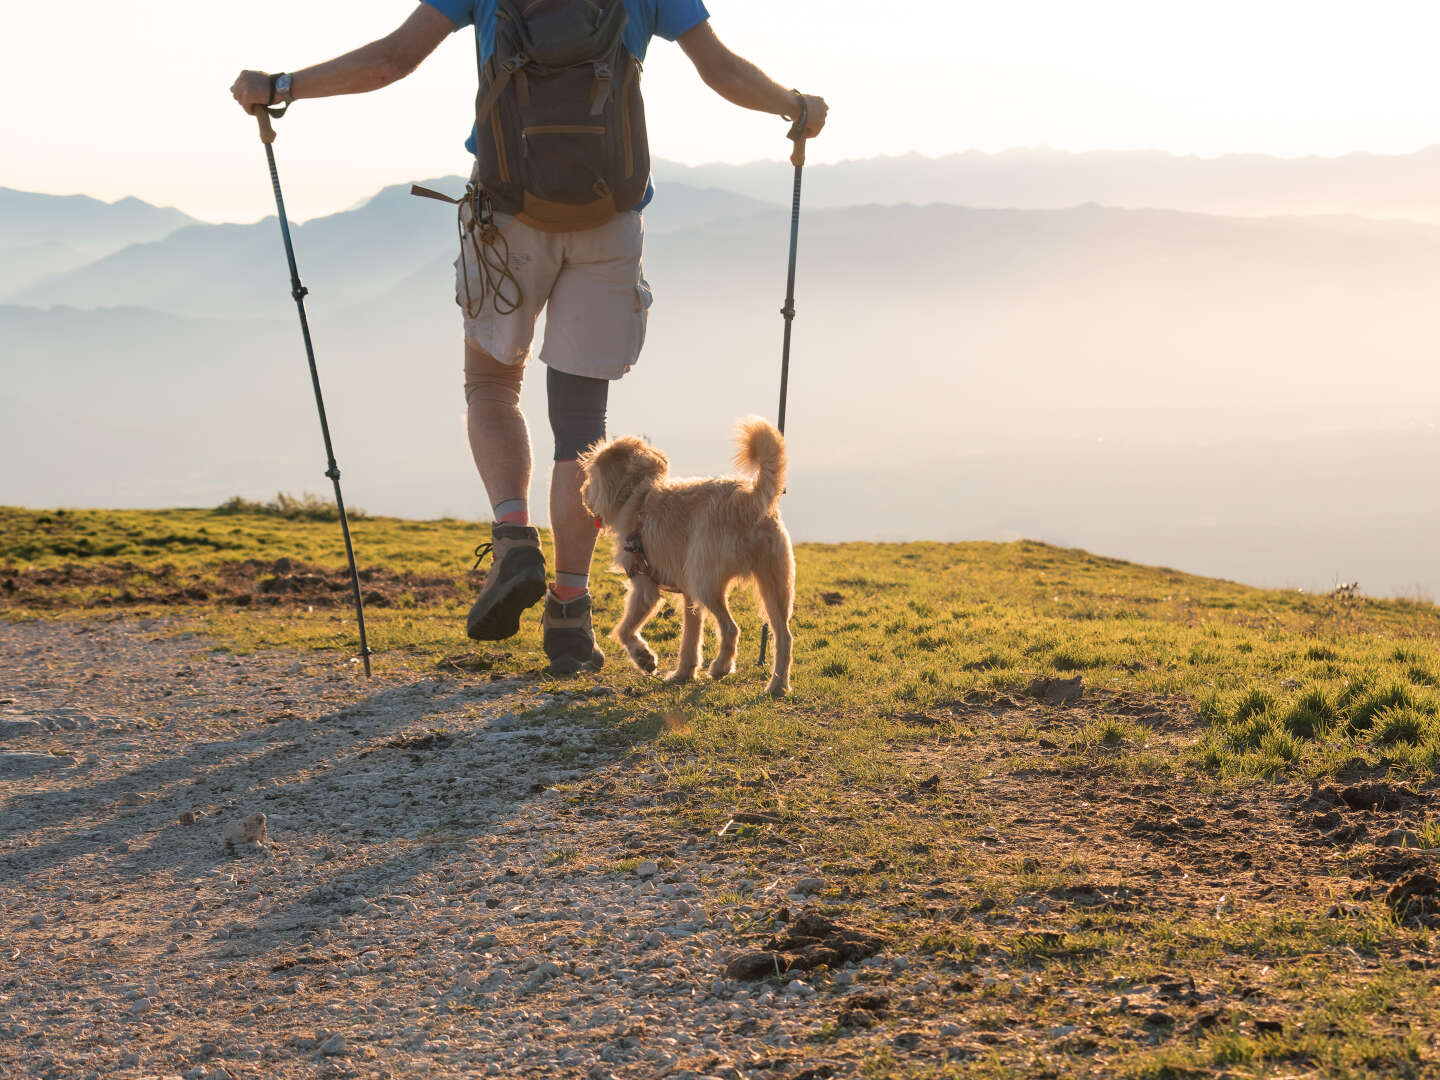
[248, 833]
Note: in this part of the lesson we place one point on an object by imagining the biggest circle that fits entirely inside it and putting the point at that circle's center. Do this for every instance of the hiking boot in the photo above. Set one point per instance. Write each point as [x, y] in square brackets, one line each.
[569, 638]
[515, 581]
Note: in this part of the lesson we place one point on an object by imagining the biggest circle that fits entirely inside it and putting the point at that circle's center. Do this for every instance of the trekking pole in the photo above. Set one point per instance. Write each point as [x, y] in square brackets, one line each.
[797, 158]
[298, 291]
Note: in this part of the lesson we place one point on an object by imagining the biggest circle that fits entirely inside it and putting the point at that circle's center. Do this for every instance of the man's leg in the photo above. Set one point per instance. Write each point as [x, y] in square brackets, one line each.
[500, 444]
[593, 334]
[574, 528]
[497, 346]
[577, 418]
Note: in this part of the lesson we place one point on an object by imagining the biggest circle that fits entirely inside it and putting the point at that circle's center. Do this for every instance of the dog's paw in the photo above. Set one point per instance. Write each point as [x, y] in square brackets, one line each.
[777, 688]
[677, 678]
[643, 658]
[719, 670]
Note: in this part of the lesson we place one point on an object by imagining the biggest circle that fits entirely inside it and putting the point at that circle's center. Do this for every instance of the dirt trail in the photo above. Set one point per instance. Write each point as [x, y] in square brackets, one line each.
[428, 903]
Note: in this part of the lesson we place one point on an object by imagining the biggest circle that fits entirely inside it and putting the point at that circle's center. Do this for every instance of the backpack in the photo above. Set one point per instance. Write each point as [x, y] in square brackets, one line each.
[559, 122]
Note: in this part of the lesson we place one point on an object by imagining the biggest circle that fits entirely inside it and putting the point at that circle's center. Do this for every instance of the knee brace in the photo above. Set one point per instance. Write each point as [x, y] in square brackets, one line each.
[486, 379]
[577, 412]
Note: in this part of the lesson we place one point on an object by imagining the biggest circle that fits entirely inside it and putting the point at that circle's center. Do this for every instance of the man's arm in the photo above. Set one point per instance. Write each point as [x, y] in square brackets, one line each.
[367, 68]
[739, 81]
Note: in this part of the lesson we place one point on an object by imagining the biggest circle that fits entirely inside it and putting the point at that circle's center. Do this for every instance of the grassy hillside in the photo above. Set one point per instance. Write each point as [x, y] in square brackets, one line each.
[1138, 882]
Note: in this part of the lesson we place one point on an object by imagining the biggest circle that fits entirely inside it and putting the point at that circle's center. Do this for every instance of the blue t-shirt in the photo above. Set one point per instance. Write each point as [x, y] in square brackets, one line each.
[647, 18]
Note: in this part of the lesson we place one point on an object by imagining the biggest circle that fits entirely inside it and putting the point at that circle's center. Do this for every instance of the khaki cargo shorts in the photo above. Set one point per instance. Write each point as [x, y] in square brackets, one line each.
[588, 283]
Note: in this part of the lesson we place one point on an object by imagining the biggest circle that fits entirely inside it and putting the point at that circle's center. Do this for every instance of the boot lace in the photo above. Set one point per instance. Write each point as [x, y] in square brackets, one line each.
[481, 551]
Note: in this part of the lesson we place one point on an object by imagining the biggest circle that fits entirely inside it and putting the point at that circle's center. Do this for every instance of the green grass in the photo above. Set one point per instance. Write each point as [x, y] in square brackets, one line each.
[306, 507]
[194, 540]
[1291, 683]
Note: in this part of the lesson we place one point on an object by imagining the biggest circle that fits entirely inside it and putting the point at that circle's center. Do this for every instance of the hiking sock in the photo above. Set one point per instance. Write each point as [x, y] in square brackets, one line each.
[569, 586]
[513, 512]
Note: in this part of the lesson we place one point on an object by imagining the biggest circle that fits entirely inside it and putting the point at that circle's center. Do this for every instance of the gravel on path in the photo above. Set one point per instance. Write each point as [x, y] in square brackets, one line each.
[427, 901]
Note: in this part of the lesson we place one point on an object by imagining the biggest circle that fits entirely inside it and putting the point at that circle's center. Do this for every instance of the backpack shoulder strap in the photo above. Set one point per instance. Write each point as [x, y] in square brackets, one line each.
[503, 74]
[504, 70]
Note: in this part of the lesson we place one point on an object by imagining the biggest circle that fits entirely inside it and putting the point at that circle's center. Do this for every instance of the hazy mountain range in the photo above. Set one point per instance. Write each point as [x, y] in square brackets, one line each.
[229, 270]
[1242, 396]
[48, 234]
[1403, 186]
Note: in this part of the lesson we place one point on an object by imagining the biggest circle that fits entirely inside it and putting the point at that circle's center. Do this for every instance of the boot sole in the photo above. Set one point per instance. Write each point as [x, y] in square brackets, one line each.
[573, 665]
[502, 620]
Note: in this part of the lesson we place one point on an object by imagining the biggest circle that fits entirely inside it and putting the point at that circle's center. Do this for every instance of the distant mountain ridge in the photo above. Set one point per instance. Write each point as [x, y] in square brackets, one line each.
[48, 234]
[1368, 185]
[54, 249]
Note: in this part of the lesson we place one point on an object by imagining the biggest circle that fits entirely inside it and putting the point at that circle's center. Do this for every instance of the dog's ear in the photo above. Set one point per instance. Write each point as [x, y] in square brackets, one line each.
[607, 469]
[648, 462]
[597, 478]
[614, 470]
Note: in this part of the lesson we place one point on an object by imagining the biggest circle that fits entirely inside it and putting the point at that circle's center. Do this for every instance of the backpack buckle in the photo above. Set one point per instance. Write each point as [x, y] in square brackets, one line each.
[515, 63]
[600, 88]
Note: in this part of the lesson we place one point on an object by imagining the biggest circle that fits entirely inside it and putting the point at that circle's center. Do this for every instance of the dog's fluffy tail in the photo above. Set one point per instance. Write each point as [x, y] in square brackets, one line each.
[762, 452]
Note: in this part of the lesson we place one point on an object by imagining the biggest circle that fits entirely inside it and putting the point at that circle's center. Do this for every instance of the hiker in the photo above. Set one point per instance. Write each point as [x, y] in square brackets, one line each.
[587, 269]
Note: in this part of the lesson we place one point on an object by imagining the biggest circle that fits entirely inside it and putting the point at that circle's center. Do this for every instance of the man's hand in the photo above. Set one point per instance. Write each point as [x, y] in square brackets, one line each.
[251, 89]
[815, 113]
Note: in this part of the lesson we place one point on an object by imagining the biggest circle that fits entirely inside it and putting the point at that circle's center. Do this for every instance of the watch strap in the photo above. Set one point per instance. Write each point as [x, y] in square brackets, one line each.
[280, 88]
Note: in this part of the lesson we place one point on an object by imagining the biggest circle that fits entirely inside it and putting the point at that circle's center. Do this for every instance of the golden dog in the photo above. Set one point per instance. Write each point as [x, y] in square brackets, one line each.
[696, 538]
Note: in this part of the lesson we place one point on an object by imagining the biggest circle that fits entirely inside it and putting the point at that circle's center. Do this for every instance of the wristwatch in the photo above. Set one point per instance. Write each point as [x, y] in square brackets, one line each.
[280, 89]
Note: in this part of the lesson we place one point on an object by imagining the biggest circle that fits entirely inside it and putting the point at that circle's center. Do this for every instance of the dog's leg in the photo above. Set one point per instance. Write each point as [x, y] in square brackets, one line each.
[690, 634]
[776, 585]
[729, 634]
[640, 604]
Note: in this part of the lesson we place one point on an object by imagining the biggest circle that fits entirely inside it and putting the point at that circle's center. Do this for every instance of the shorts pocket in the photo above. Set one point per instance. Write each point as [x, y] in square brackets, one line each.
[462, 278]
[644, 297]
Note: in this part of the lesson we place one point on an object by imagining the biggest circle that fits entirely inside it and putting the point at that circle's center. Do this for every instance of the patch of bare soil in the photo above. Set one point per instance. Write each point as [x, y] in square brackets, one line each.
[282, 583]
[814, 941]
[1093, 856]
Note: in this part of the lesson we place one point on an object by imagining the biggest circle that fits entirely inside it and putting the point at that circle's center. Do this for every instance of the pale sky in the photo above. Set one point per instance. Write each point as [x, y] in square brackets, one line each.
[114, 99]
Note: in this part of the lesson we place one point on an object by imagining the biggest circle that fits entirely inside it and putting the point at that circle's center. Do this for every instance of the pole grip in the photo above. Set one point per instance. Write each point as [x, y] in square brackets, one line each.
[797, 131]
[263, 114]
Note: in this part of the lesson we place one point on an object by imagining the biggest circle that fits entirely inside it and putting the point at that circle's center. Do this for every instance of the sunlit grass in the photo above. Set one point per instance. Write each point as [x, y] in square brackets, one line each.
[1289, 682]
